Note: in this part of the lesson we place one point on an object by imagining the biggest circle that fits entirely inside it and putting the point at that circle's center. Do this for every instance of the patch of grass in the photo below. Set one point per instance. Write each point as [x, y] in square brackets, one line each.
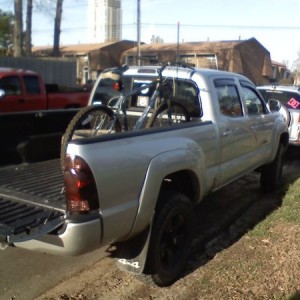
[288, 212]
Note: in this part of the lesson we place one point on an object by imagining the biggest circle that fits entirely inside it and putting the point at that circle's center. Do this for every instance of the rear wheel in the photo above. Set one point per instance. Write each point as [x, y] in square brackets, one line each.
[171, 238]
[271, 174]
[90, 121]
[166, 114]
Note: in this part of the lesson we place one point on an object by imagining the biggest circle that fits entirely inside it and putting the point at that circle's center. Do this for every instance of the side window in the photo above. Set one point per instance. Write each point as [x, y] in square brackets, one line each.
[228, 97]
[32, 85]
[186, 93]
[11, 85]
[254, 104]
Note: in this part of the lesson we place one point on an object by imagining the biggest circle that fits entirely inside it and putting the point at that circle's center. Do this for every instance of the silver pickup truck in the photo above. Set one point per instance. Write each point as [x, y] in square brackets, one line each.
[137, 190]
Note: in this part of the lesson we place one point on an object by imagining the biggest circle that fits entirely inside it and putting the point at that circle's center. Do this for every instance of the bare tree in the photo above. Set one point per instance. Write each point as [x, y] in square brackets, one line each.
[42, 5]
[28, 28]
[57, 23]
[18, 28]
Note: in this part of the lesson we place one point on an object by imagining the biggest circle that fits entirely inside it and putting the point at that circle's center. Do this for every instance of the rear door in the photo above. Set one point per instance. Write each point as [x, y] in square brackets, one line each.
[260, 118]
[237, 139]
[35, 96]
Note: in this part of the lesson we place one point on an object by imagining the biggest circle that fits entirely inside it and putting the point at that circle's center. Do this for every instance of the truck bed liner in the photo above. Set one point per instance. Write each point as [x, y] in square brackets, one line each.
[31, 197]
[38, 183]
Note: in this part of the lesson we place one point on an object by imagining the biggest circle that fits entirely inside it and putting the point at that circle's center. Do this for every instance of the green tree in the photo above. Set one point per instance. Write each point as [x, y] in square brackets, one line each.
[6, 32]
[52, 8]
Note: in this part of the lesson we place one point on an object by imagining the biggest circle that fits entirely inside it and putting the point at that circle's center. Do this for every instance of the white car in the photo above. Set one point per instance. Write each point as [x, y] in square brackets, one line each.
[289, 97]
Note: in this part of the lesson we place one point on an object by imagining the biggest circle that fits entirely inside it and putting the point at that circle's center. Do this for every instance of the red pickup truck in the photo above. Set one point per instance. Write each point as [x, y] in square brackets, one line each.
[25, 90]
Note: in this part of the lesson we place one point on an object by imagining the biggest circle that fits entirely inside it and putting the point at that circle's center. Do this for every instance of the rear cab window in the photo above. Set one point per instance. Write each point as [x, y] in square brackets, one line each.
[32, 84]
[184, 92]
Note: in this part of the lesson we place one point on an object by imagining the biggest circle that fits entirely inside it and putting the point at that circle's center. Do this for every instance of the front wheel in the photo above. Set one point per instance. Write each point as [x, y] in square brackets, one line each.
[271, 174]
[171, 238]
[168, 115]
[90, 121]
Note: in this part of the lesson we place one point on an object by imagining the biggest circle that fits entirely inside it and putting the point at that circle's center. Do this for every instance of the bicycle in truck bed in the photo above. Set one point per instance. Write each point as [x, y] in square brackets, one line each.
[98, 119]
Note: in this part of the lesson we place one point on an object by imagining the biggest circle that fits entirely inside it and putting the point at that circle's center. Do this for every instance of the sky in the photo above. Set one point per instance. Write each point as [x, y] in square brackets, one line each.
[274, 23]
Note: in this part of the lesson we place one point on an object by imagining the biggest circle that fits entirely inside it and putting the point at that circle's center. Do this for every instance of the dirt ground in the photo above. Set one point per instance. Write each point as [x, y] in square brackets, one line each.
[226, 262]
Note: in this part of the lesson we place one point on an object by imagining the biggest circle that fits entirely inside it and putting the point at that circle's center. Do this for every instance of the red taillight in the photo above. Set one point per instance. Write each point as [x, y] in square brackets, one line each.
[81, 191]
[116, 86]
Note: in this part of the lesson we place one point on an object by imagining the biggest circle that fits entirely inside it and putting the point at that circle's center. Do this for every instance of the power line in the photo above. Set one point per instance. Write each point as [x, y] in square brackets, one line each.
[128, 25]
[256, 27]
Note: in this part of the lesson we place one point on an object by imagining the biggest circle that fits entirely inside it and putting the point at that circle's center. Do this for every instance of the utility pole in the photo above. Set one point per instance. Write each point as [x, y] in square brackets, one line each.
[138, 32]
[18, 29]
[28, 28]
[57, 24]
[177, 50]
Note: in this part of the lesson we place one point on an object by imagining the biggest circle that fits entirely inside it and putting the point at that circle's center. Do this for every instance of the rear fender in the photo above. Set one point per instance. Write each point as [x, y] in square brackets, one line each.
[160, 167]
[280, 135]
[131, 254]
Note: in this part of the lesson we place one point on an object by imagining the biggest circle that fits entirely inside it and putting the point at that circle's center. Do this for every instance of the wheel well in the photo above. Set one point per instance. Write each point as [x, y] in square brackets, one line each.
[185, 182]
[284, 139]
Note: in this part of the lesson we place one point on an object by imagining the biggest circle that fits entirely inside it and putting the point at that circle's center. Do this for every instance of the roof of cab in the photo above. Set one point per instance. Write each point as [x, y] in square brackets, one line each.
[13, 71]
[153, 70]
[274, 87]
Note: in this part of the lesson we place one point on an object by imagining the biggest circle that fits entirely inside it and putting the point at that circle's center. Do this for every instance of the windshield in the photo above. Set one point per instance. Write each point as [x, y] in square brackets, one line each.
[287, 98]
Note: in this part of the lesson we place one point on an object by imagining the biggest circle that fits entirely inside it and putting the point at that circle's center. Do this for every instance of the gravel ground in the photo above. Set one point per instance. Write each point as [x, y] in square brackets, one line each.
[225, 261]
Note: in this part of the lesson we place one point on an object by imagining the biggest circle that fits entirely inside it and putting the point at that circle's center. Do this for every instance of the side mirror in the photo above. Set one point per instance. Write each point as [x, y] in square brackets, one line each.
[2, 93]
[274, 105]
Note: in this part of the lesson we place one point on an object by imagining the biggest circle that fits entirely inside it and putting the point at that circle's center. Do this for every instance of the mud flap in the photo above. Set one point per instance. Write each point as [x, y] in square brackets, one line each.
[131, 255]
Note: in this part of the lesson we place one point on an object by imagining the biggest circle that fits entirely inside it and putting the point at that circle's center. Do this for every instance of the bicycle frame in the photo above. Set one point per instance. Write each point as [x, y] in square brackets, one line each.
[120, 106]
[141, 120]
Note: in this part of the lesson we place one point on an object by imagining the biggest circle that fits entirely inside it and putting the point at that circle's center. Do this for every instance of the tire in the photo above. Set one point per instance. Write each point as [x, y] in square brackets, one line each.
[271, 174]
[171, 238]
[90, 121]
[165, 115]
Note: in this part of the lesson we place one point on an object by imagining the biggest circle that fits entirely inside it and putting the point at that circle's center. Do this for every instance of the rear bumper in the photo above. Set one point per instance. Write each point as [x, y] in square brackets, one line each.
[74, 239]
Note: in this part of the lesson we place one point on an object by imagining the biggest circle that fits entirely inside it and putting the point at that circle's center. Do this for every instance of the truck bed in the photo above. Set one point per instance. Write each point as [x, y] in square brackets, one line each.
[30, 194]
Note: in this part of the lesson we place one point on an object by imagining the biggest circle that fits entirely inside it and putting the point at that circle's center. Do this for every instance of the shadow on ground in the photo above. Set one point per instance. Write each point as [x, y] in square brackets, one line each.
[226, 215]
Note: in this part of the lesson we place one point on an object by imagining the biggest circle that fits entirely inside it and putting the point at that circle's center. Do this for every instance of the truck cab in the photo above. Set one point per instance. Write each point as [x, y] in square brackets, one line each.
[21, 91]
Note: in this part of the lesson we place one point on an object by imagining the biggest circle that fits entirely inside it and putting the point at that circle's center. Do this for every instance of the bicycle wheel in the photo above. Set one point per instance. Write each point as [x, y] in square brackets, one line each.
[90, 121]
[168, 115]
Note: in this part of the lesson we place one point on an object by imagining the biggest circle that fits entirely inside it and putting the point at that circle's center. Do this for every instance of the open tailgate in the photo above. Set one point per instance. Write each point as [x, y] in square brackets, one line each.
[20, 221]
[31, 201]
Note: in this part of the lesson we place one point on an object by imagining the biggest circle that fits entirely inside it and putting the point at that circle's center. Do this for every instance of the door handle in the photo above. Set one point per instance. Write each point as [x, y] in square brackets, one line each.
[227, 132]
